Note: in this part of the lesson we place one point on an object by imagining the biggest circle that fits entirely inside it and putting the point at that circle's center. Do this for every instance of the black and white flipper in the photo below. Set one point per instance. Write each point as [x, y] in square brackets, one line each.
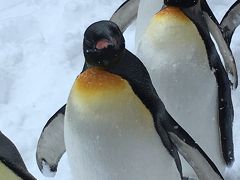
[125, 14]
[218, 32]
[231, 21]
[51, 144]
[190, 150]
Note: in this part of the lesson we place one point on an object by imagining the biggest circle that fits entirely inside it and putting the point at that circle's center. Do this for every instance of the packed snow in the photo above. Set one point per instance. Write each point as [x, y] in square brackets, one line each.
[40, 56]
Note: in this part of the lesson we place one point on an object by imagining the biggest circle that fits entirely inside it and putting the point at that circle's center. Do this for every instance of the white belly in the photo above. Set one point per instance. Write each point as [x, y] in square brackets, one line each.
[177, 62]
[113, 138]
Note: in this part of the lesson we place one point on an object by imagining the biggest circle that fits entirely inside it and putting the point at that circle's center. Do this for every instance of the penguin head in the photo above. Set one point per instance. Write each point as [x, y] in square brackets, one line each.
[181, 3]
[103, 44]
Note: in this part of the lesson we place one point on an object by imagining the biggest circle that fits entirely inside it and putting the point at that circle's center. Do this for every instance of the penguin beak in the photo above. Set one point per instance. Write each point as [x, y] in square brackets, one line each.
[101, 45]
[102, 52]
[104, 44]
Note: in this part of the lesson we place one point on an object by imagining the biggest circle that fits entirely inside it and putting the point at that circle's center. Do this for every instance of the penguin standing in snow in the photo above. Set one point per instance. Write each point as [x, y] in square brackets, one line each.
[12, 166]
[116, 126]
[144, 10]
[189, 77]
[108, 131]
[202, 17]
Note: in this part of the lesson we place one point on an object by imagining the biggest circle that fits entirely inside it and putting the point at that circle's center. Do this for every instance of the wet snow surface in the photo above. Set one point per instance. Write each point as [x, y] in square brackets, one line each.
[40, 56]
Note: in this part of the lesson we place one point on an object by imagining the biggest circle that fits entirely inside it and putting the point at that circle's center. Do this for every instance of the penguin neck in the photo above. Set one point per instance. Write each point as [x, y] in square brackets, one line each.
[95, 80]
[96, 84]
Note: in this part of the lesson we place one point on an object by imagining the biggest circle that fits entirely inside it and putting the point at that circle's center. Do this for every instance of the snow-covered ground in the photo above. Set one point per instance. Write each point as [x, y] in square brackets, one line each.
[40, 56]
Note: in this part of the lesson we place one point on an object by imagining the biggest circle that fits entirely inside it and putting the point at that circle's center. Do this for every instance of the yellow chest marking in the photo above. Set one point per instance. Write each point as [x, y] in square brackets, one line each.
[99, 94]
[171, 28]
[95, 81]
[171, 13]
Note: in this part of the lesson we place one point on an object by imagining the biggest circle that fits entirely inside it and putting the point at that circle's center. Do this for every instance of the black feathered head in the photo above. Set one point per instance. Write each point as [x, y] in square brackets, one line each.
[103, 44]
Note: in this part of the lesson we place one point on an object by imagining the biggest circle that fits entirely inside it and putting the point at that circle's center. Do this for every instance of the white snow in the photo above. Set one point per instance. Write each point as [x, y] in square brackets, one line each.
[40, 56]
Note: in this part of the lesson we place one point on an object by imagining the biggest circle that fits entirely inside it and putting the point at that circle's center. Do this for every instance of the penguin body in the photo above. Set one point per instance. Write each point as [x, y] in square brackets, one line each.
[109, 133]
[183, 81]
[12, 166]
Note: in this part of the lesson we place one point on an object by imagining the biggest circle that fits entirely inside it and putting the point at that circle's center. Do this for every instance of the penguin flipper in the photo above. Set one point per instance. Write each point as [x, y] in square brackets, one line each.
[169, 145]
[191, 151]
[125, 14]
[10, 156]
[231, 21]
[223, 45]
[51, 144]
[225, 106]
[226, 112]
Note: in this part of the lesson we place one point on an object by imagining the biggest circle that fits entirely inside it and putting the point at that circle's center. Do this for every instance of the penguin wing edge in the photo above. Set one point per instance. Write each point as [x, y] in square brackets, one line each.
[125, 14]
[51, 144]
[231, 21]
[191, 151]
[226, 113]
[223, 45]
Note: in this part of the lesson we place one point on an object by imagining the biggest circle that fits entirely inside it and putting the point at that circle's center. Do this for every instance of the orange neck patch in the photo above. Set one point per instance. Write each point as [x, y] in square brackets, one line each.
[95, 80]
[172, 12]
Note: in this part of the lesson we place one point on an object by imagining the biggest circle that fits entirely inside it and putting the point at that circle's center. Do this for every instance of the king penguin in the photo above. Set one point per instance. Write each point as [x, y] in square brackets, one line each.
[190, 79]
[108, 131]
[115, 125]
[12, 166]
[143, 11]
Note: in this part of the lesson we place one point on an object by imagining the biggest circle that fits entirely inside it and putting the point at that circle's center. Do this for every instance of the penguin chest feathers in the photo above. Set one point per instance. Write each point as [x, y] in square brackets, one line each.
[172, 36]
[109, 133]
[105, 94]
